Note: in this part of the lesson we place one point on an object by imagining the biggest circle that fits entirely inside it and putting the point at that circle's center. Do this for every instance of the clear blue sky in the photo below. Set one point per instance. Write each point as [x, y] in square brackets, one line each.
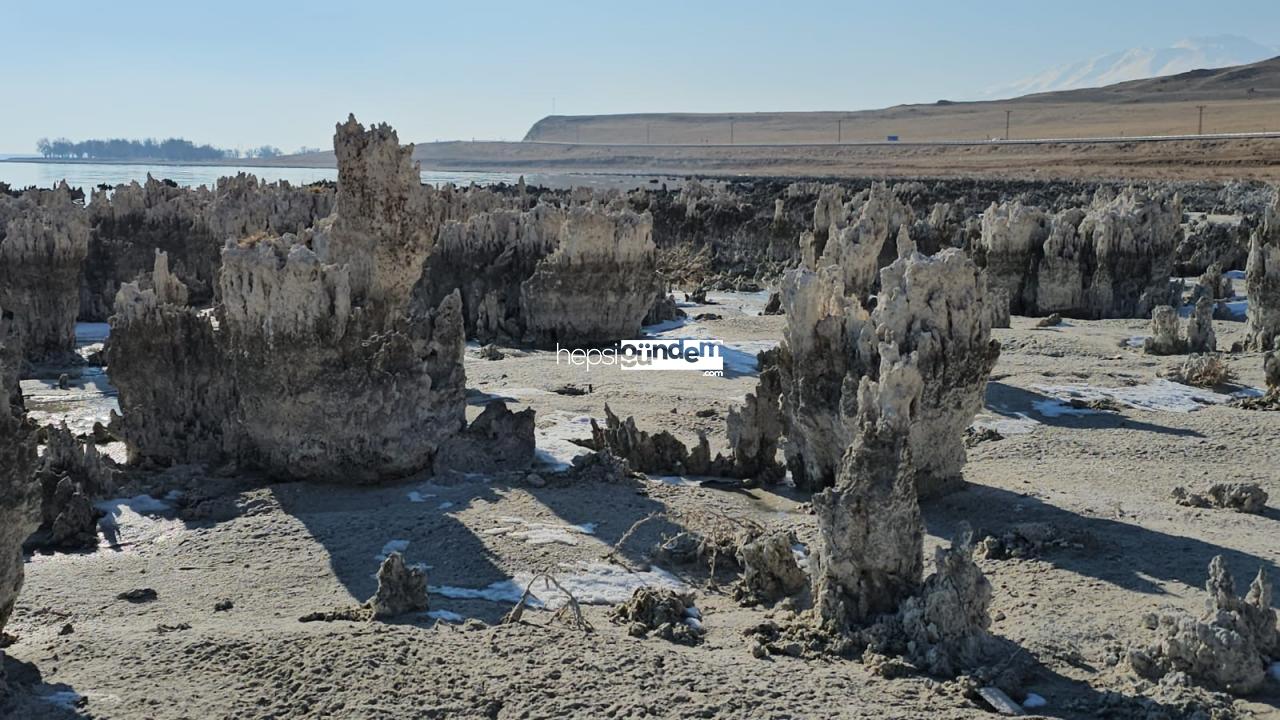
[238, 74]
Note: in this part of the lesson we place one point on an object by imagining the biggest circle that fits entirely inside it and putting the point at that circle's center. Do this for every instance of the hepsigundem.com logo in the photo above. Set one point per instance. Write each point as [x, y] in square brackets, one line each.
[696, 354]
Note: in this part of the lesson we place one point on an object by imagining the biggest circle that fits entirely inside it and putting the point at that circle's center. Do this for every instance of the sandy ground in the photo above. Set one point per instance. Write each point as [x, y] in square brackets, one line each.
[1101, 480]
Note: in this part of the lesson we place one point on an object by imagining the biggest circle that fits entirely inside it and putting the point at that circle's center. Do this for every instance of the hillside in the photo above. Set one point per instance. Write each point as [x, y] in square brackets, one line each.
[1139, 62]
[1244, 98]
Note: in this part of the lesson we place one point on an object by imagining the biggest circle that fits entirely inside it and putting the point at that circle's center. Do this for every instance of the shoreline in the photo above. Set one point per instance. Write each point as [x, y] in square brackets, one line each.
[172, 163]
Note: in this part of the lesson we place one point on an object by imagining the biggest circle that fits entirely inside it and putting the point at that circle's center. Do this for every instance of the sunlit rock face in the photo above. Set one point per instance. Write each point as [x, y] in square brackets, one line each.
[868, 564]
[931, 314]
[132, 221]
[598, 283]
[44, 237]
[578, 276]
[315, 364]
[1113, 259]
[859, 237]
[1226, 647]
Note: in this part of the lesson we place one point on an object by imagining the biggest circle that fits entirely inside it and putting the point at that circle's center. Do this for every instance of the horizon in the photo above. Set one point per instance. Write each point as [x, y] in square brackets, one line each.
[454, 73]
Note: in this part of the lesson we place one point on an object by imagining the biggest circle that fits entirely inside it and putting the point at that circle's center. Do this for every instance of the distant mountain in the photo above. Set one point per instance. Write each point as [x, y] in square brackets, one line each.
[1139, 63]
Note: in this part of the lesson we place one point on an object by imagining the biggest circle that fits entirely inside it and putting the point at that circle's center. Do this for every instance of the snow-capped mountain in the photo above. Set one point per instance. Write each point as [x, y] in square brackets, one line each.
[1138, 63]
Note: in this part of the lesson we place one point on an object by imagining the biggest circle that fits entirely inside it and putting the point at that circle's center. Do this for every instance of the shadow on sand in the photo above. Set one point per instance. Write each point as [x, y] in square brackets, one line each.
[1017, 403]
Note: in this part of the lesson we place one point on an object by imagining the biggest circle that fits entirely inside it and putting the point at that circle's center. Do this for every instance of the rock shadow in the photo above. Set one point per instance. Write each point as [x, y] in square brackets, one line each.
[1018, 403]
[1121, 553]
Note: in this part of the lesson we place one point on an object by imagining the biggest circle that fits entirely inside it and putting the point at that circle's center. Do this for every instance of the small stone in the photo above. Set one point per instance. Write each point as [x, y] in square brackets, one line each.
[999, 701]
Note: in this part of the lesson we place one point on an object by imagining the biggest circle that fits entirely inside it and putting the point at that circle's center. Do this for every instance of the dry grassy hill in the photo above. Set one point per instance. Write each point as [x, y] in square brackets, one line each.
[1244, 98]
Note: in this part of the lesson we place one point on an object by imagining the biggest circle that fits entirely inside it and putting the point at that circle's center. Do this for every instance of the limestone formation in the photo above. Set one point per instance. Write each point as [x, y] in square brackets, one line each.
[1226, 647]
[496, 441]
[72, 475]
[169, 289]
[862, 237]
[769, 568]
[931, 313]
[1165, 336]
[664, 309]
[868, 566]
[19, 491]
[176, 397]
[829, 207]
[597, 285]
[1200, 335]
[1262, 283]
[1270, 400]
[1241, 497]
[1209, 240]
[868, 560]
[1201, 370]
[131, 222]
[659, 452]
[316, 364]
[401, 589]
[1214, 283]
[1113, 259]
[1013, 238]
[946, 625]
[44, 237]
[998, 307]
[756, 428]
[668, 614]
[578, 277]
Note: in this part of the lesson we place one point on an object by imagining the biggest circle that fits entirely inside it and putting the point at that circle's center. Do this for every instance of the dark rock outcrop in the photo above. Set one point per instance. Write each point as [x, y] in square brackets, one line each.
[580, 276]
[19, 490]
[1110, 260]
[1262, 282]
[44, 237]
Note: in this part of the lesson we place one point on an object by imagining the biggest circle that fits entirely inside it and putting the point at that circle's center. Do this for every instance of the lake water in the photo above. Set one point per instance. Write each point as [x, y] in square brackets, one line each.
[89, 175]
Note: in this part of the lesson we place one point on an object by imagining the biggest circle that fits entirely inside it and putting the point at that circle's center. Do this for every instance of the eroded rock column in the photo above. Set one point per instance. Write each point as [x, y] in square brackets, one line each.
[43, 243]
[19, 491]
[1262, 282]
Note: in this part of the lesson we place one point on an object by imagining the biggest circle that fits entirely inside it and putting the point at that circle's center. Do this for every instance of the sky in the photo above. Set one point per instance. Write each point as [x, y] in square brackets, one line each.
[243, 74]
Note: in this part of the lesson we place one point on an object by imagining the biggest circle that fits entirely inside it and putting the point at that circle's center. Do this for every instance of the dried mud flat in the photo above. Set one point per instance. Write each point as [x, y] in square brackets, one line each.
[222, 636]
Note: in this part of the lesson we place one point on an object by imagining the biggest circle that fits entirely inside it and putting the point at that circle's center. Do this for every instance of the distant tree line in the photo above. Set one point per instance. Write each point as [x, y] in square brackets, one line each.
[149, 149]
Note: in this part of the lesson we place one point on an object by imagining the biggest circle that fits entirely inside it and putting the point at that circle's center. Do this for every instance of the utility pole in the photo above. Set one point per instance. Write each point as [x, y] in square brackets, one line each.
[839, 131]
[1007, 113]
[1200, 130]
[731, 132]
